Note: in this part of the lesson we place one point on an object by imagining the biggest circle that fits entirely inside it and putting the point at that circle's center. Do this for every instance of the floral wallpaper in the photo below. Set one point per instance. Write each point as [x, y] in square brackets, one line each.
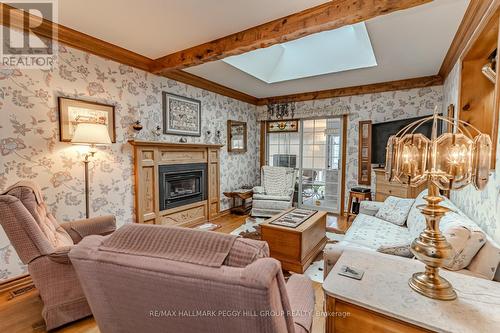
[30, 146]
[481, 206]
[379, 107]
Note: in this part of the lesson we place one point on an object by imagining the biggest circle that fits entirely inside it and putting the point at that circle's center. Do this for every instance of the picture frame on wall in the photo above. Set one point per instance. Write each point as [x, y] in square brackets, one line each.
[181, 115]
[73, 111]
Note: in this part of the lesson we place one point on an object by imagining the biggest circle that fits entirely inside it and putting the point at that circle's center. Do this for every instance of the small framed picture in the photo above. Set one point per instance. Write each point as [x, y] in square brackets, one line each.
[181, 115]
[72, 111]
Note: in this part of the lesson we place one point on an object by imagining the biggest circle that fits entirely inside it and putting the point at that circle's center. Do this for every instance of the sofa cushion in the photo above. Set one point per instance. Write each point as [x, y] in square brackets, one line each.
[486, 261]
[258, 196]
[465, 239]
[395, 210]
[416, 221]
[370, 207]
[371, 232]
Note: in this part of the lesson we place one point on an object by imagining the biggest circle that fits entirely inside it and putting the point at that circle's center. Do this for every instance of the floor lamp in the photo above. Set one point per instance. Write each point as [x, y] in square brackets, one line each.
[90, 134]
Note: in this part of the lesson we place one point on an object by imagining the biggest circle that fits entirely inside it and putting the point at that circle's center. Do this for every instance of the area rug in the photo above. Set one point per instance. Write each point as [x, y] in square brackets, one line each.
[208, 226]
[251, 229]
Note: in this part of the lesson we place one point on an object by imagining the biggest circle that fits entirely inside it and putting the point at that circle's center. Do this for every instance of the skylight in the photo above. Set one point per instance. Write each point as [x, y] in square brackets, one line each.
[326, 52]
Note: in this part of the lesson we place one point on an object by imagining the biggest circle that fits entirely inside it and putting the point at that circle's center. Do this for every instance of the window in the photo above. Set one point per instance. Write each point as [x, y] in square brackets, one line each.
[283, 149]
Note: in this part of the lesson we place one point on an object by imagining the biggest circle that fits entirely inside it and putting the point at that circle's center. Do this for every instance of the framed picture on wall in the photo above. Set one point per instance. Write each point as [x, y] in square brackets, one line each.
[73, 111]
[181, 115]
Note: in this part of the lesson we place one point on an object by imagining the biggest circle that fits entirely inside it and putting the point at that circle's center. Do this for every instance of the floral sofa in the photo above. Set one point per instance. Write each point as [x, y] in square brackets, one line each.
[371, 233]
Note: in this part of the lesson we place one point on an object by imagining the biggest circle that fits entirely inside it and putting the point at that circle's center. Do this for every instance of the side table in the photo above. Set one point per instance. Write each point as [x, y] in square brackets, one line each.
[357, 196]
[243, 195]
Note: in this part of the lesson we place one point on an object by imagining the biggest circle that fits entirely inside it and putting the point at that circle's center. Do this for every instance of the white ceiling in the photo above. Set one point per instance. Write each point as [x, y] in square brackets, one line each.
[312, 55]
[155, 28]
[407, 44]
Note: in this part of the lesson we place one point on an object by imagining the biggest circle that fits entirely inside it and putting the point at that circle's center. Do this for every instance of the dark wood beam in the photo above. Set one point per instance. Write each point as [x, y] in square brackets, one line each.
[199, 82]
[426, 81]
[476, 10]
[331, 15]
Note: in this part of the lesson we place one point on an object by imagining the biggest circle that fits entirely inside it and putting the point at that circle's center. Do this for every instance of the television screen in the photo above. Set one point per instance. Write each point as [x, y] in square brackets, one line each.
[382, 131]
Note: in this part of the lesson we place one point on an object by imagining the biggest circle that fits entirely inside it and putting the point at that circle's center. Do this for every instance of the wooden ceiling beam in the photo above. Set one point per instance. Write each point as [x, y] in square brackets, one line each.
[473, 16]
[328, 16]
[98, 47]
[420, 82]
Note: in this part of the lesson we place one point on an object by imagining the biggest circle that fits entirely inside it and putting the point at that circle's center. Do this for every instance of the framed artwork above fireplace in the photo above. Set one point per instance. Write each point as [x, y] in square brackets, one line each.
[181, 115]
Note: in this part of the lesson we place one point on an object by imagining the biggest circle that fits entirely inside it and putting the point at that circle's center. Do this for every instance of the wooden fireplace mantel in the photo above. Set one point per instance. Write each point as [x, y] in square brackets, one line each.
[148, 156]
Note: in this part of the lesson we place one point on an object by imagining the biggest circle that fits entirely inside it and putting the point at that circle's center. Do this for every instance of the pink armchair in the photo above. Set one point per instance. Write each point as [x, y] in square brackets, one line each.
[43, 245]
[147, 278]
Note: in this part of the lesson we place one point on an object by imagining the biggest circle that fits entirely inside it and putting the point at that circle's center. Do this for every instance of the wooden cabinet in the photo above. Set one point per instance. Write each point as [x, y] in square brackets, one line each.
[479, 85]
[148, 155]
[385, 188]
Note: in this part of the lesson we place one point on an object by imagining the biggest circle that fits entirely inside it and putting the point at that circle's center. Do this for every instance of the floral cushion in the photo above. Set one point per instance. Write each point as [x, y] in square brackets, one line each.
[416, 221]
[371, 232]
[401, 250]
[466, 241]
[369, 207]
[486, 262]
[395, 210]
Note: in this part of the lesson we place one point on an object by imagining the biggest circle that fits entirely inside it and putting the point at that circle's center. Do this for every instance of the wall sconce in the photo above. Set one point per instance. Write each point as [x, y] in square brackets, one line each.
[137, 126]
[157, 131]
[90, 134]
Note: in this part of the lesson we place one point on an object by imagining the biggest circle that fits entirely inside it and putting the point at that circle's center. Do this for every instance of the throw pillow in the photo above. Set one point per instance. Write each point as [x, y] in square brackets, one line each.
[465, 240]
[395, 210]
[486, 261]
[402, 250]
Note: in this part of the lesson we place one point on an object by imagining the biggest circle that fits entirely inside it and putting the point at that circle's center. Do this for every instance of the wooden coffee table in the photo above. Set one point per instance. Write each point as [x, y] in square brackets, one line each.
[296, 247]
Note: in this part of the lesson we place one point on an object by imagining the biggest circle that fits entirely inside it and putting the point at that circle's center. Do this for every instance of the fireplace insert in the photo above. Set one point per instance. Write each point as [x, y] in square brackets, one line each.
[182, 184]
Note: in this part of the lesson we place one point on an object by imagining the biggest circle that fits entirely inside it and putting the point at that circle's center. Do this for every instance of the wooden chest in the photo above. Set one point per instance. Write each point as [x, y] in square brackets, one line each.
[297, 247]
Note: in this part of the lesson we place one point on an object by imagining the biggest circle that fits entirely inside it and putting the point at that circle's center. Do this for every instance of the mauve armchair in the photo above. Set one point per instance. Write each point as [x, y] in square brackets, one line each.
[43, 244]
[148, 278]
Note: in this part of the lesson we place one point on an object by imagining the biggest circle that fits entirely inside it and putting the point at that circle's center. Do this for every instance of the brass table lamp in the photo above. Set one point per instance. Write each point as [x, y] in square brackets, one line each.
[449, 161]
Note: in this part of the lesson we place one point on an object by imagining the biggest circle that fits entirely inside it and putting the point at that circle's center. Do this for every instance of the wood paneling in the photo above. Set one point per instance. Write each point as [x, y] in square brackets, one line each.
[475, 12]
[479, 102]
[328, 16]
[365, 152]
[420, 82]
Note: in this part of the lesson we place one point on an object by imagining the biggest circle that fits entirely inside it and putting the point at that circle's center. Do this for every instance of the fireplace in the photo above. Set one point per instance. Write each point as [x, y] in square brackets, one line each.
[182, 184]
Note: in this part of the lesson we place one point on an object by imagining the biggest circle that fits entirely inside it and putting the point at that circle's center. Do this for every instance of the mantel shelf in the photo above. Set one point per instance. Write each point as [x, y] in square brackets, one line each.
[173, 144]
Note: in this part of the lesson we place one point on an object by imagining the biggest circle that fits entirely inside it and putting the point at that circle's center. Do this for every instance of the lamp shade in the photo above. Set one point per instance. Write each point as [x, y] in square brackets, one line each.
[91, 134]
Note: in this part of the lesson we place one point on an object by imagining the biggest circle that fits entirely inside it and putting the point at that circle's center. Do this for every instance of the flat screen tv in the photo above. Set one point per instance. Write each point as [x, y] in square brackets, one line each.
[382, 131]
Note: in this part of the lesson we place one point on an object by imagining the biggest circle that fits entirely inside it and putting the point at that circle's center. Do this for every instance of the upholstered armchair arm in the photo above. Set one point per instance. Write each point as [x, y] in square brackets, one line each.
[259, 190]
[60, 255]
[369, 207]
[301, 296]
[101, 225]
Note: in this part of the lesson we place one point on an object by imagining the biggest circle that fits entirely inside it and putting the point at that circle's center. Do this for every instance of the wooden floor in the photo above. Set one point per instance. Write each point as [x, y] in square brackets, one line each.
[228, 223]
